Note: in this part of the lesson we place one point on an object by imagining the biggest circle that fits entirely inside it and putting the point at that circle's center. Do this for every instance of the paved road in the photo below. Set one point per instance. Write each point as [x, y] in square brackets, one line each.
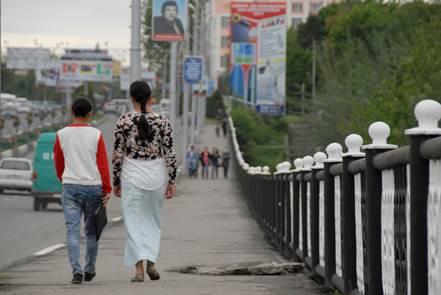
[23, 231]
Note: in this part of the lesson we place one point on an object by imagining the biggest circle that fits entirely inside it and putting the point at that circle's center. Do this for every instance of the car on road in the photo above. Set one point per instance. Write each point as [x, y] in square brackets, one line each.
[15, 174]
[116, 106]
[46, 187]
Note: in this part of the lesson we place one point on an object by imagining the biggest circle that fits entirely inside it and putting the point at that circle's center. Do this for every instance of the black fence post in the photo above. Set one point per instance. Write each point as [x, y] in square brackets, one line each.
[298, 163]
[428, 113]
[379, 132]
[281, 204]
[334, 151]
[349, 262]
[307, 167]
[315, 211]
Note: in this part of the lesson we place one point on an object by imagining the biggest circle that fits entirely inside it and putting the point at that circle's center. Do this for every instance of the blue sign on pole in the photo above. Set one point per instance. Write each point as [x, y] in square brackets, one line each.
[193, 69]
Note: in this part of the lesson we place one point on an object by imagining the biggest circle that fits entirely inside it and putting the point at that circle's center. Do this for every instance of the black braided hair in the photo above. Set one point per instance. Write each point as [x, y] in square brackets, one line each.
[140, 92]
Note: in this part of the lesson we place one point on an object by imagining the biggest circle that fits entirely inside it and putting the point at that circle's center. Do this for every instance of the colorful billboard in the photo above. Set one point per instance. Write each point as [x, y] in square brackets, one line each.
[258, 60]
[86, 65]
[169, 21]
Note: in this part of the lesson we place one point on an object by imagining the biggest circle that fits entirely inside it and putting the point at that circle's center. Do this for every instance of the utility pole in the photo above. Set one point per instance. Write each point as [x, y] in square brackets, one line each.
[135, 50]
[303, 98]
[164, 78]
[172, 89]
[314, 57]
[195, 49]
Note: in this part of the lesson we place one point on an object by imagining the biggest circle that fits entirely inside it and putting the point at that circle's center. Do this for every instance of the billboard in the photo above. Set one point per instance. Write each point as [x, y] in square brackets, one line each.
[169, 20]
[27, 58]
[258, 60]
[49, 75]
[86, 65]
[147, 76]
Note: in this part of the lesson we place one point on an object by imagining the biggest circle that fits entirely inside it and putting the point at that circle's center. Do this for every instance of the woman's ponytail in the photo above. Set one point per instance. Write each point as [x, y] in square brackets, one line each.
[140, 91]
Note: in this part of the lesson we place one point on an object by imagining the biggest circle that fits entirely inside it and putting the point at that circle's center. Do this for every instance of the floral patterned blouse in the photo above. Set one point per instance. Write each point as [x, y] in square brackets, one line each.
[128, 144]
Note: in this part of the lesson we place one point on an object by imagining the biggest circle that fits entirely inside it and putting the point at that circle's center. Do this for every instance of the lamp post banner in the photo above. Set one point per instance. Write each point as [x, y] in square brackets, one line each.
[258, 46]
[169, 20]
[193, 69]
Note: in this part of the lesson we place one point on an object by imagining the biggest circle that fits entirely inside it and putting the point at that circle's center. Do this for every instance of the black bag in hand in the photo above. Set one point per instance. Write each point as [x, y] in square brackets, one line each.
[100, 220]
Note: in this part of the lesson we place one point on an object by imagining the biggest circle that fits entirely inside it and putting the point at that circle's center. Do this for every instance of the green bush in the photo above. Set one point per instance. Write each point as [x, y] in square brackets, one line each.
[261, 138]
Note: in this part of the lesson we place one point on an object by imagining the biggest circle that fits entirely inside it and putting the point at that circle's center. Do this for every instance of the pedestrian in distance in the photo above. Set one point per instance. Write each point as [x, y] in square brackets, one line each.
[217, 130]
[214, 159]
[81, 164]
[225, 126]
[205, 162]
[225, 161]
[192, 161]
[144, 170]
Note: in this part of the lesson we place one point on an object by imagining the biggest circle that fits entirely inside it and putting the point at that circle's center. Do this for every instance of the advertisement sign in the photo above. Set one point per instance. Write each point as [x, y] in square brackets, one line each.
[169, 20]
[47, 77]
[86, 65]
[147, 76]
[258, 62]
[199, 90]
[243, 53]
[193, 69]
[24, 58]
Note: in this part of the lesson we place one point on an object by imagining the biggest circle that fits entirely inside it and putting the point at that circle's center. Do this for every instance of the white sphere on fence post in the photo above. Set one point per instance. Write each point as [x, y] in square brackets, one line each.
[298, 164]
[427, 113]
[319, 157]
[353, 142]
[334, 151]
[283, 167]
[308, 161]
[379, 133]
[266, 170]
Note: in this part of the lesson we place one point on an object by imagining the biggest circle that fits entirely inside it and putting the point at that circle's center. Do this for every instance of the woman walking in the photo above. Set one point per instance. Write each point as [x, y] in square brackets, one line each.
[144, 169]
[214, 158]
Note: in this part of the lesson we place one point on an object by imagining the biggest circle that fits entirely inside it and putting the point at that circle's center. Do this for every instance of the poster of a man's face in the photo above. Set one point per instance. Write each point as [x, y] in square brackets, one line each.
[169, 20]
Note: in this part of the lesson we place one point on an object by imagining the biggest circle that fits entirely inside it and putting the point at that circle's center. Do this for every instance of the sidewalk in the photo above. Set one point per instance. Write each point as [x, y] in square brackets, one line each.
[207, 224]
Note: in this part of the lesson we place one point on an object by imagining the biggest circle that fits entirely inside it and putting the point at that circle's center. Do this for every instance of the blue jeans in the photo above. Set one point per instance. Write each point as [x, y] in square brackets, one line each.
[78, 200]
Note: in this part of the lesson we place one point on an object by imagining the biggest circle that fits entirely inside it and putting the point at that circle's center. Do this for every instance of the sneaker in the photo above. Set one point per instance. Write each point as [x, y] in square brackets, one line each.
[88, 276]
[77, 279]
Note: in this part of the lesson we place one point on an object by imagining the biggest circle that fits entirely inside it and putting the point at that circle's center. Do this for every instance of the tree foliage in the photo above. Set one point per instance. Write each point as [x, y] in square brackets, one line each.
[376, 61]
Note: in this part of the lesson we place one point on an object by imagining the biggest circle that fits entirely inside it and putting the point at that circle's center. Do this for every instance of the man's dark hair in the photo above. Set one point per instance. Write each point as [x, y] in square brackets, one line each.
[81, 107]
[169, 3]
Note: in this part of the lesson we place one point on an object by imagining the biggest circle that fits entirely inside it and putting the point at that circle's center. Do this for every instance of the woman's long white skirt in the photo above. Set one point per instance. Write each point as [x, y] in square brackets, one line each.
[141, 213]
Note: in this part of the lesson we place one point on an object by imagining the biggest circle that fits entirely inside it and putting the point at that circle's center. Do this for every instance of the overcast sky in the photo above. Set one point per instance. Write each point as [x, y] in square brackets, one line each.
[81, 23]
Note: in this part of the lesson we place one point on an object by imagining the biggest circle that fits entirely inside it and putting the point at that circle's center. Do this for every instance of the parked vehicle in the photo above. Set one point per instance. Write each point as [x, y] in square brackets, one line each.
[15, 174]
[24, 105]
[116, 106]
[9, 105]
[46, 187]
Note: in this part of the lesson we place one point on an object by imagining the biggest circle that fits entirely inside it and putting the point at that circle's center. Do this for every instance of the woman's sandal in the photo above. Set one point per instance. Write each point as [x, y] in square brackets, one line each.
[138, 278]
[152, 272]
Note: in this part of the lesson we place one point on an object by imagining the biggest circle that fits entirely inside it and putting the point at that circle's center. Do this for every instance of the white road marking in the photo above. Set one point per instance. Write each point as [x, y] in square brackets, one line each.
[49, 249]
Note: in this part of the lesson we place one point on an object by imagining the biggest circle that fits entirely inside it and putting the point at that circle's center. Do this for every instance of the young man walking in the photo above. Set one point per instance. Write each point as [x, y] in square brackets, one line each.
[81, 163]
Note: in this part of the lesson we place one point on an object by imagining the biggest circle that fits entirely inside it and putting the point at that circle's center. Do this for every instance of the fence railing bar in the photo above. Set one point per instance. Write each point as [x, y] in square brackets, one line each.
[357, 166]
[431, 148]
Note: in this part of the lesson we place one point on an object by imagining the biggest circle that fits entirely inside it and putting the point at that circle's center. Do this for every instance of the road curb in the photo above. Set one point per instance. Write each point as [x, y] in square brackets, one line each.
[51, 249]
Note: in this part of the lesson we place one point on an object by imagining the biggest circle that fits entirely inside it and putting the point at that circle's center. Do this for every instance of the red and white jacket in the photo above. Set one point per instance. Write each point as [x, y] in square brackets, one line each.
[80, 156]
